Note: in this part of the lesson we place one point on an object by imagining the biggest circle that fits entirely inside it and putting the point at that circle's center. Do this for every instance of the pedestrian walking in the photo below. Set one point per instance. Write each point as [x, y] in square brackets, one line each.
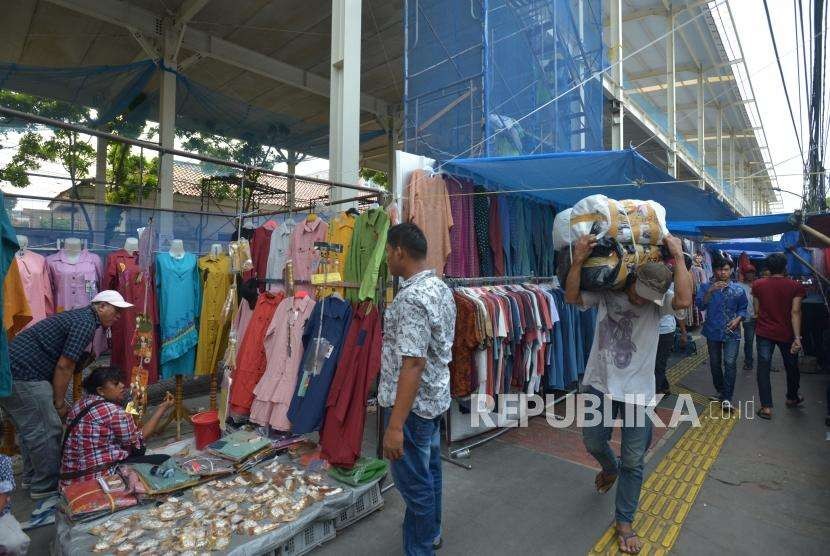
[725, 304]
[778, 306]
[620, 370]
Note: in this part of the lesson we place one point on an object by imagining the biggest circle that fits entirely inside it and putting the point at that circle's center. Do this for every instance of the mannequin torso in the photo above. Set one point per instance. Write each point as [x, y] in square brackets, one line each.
[72, 248]
[131, 245]
[177, 249]
[23, 242]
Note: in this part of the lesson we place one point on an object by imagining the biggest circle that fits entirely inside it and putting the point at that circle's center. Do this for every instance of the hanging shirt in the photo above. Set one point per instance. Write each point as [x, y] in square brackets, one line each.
[179, 293]
[16, 311]
[251, 358]
[428, 206]
[468, 337]
[496, 245]
[124, 275]
[463, 257]
[322, 340]
[8, 246]
[341, 231]
[481, 211]
[36, 284]
[278, 252]
[283, 351]
[366, 263]
[260, 250]
[302, 252]
[341, 437]
[75, 283]
[621, 363]
[216, 278]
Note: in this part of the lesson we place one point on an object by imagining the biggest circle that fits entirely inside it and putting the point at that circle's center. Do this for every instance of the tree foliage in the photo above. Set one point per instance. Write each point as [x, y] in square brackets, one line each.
[130, 177]
[375, 176]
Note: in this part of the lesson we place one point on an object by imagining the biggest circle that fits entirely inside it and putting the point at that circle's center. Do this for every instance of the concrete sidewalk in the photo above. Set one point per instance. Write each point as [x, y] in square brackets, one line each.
[767, 492]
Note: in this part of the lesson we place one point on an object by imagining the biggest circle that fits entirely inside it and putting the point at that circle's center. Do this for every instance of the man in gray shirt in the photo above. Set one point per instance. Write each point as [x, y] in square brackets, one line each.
[414, 388]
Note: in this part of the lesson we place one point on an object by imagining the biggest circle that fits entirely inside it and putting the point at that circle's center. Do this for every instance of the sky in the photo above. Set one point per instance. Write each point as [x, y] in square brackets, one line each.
[751, 28]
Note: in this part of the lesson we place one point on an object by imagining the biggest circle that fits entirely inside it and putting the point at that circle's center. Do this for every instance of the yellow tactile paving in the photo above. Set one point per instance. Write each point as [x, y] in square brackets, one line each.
[670, 491]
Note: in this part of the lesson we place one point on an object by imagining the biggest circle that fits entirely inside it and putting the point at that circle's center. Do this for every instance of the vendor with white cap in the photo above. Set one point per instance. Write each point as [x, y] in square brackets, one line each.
[42, 360]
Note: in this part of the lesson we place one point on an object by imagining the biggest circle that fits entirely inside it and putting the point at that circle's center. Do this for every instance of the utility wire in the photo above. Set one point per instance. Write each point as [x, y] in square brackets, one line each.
[783, 81]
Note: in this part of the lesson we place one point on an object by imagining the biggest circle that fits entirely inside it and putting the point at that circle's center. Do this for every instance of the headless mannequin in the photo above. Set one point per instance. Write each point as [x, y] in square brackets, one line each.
[23, 241]
[177, 249]
[131, 245]
[72, 249]
[215, 251]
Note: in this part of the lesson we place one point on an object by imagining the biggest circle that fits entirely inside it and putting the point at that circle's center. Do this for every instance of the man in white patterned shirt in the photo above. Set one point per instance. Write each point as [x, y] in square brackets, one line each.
[414, 388]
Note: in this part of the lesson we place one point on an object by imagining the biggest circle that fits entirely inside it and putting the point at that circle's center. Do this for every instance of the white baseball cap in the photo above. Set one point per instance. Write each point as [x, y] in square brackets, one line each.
[113, 298]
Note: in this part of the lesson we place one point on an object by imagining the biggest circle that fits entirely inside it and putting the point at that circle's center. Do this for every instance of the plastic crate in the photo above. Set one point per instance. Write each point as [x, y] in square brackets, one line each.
[308, 539]
[368, 502]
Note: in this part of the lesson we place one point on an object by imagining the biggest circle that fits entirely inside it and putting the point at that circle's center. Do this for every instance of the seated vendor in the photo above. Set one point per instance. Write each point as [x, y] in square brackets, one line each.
[100, 434]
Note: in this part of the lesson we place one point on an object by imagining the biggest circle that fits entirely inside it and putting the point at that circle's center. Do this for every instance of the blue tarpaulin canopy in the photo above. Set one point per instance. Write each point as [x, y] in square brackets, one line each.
[566, 178]
[746, 226]
[753, 248]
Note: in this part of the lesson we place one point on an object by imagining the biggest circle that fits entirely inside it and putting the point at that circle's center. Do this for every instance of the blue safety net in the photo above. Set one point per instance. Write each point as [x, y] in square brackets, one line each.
[502, 77]
[131, 92]
[567, 178]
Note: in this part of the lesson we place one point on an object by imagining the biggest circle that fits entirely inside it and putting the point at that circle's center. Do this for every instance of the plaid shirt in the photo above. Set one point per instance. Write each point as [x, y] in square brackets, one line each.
[34, 353]
[104, 435]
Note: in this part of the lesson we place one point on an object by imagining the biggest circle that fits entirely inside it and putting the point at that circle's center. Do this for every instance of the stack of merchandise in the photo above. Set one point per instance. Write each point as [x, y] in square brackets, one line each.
[213, 516]
[629, 234]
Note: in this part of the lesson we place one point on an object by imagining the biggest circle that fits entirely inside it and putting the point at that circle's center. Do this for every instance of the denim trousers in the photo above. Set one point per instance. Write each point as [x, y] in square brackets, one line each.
[749, 342]
[39, 428]
[723, 362]
[636, 438]
[766, 348]
[664, 347]
[417, 477]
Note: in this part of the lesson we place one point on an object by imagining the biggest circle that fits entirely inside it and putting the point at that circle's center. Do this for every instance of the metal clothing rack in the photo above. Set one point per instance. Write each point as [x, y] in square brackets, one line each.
[453, 455]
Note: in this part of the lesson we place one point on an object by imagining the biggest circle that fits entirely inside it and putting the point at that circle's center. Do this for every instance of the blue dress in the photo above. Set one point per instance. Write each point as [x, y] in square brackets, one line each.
[179, 301]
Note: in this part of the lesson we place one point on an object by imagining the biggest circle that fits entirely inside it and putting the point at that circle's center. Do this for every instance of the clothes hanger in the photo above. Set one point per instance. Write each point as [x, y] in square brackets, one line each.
[353, 212]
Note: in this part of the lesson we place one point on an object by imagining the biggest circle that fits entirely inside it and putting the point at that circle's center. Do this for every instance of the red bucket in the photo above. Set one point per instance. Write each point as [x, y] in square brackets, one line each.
[206, 428]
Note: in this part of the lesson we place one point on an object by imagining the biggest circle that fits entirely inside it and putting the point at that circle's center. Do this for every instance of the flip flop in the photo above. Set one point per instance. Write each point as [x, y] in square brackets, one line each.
[763, 414]
[623, 538]
[795, 403]
[605, 481]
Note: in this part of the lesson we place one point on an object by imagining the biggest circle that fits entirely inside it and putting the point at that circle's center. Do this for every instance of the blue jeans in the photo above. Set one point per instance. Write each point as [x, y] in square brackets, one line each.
[766, 348]
[418, 478]
[636, 438]
[723, 360]
[749, 342]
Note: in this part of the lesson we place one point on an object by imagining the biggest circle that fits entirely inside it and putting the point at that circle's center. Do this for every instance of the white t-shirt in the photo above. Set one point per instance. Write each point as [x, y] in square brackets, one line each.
[750, 307]
[623, 354]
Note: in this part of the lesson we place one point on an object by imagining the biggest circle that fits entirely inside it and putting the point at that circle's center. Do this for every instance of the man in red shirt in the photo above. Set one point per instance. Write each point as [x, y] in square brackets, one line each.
[778, 308]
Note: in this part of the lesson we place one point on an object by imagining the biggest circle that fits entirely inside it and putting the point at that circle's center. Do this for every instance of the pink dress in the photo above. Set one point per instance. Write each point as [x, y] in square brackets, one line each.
[75, 284]
[36, 283]
[243, 319]
[301, 250]
[284, 352]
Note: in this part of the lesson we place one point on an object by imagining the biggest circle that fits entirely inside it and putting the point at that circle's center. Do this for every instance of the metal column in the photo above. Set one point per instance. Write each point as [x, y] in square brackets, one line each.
[735, 188]
[671, 99]
[615, 57]
[719, 147]
[100, 190]
[701, 130]
[344, 119]
[167, 133]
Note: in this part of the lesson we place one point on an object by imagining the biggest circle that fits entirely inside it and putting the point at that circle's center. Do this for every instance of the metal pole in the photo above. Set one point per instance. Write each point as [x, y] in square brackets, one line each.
[615, 56]
[11, 113]
[671, 98]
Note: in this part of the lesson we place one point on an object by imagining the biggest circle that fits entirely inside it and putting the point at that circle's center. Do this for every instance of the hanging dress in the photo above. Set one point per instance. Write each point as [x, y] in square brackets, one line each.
[36, 283]
[284, 351]
[124, 275]
[216, 280]
[179, 299]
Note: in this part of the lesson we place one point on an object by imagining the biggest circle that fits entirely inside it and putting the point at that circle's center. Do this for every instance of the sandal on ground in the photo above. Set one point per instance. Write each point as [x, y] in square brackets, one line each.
[623, 539]
[605, 481]
[764, 414]
[796, 402]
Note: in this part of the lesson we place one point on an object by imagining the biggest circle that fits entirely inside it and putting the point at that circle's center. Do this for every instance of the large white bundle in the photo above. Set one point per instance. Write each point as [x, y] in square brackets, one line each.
[627, 221]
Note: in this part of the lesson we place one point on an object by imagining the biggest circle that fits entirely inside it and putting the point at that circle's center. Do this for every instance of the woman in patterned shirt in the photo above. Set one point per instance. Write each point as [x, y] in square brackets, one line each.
[100, 434]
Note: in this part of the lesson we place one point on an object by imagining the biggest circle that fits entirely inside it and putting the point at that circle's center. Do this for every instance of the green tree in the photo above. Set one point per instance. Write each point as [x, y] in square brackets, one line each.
[375, 176]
